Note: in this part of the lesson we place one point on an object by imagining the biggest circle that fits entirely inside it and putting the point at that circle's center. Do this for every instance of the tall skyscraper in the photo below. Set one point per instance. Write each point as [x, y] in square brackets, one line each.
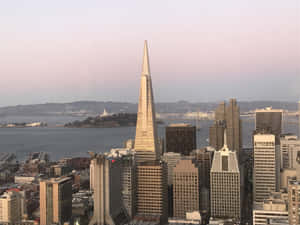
[269, 120]
[152, 192]
[227, 117]
[181, 138]
[55, 201]
[225, 194]
[266, 169]
[128, 178]
[204, 161]
[289, 147]
[171, 159]
[146, 141]
[234, 127]
[108, 204]
[186, 188]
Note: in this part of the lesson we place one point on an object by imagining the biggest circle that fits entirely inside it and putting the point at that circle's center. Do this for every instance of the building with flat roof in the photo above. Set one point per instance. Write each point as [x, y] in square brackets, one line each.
[55, 201]
[12, 207]
[152, 192]
[181, 138]
[108, 202]
[294, 202]
[186, 188]
[269, 120]
[273, 210]
[289, 146]
[266, 168]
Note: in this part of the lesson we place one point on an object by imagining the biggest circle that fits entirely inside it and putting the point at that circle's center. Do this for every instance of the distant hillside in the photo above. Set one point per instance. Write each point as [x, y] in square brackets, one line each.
[93, 108]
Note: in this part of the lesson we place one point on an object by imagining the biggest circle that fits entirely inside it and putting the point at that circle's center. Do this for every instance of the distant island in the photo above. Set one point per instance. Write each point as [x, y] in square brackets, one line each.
[23, 125]
[108, 121]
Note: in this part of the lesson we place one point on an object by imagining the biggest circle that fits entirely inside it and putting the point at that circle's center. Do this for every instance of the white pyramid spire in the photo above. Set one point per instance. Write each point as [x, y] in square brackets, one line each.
[146, 134]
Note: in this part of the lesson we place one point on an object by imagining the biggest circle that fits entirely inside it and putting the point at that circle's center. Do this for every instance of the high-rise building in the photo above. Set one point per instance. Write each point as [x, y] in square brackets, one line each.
[55, 201]
[171, 159]
[11, 207]
[152, 192]
[108, 204]
[269, 120]
[128, 178]
[204, 159]
[146, 141]
[266, 169]
[186, 188]
[234, 127]
[181, 138]
[216, 134]
[225, 193]
[273, 210]
[289, 146]
[294, 202]
[227, 117]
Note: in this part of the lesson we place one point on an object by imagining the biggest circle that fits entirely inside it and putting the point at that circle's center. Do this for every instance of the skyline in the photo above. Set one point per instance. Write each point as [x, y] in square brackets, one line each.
[60, 52]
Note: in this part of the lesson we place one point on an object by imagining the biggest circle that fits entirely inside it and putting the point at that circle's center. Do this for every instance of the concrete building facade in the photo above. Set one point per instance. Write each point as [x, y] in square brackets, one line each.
[108, 204]
[273, 210]
[55, 201]
[266, 168]
[289, 147]
[152, 192]
[186, 188]
[225, 193]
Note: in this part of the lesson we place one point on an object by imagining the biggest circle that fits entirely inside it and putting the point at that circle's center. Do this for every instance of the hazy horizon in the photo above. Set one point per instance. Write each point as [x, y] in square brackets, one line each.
[203, 51]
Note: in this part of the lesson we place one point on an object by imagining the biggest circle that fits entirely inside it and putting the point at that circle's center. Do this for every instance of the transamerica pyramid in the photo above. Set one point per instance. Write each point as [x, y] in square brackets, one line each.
[146, 142]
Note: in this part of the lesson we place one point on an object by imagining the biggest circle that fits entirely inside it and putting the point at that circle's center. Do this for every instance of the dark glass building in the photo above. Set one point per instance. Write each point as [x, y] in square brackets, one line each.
[181, 138]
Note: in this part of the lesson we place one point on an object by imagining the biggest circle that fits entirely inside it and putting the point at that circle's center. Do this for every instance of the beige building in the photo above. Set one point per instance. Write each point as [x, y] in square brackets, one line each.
[152, 192]
[273, 210]
[185, 188]
[146, 141]
[11, 207]
[55, 201]
[225, 193]
[108, 204]
[171, 159]
[294, 202]
[204, 160]
[289, 146]
[266, 170]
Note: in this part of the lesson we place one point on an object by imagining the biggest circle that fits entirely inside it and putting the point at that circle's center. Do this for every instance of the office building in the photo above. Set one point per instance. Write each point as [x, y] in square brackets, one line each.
[146, 140]
[273, 210]
[266, 169]
[151, 192]
[269, 120]
[216, 134]
[128, 178]
[294, 202]
[289, 146]
[203, 158]
[55, 201]
[108, 203]
[225, 193]
[186, 188]
[181, 138]
[227, 117]
[12, 207]
[171, 159]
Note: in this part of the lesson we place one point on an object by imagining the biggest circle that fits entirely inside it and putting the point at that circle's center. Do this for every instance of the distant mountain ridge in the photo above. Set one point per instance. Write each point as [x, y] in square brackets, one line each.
[97, 107]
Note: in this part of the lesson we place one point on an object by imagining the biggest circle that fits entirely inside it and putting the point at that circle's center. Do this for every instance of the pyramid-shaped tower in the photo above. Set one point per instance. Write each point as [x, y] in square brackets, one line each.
[146, 141]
